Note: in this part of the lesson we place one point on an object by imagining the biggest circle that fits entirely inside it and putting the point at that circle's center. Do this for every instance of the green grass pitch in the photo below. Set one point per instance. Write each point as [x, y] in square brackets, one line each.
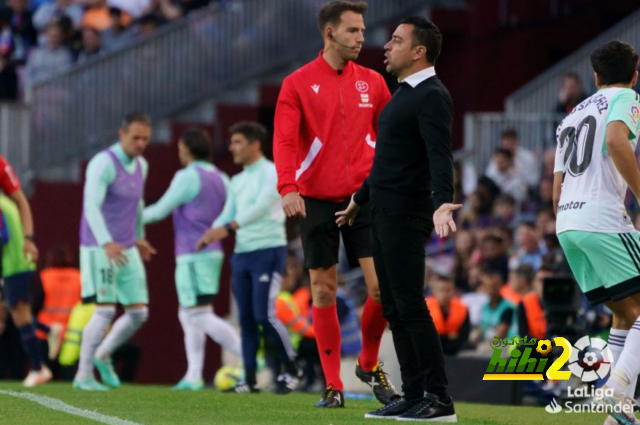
[151, 405]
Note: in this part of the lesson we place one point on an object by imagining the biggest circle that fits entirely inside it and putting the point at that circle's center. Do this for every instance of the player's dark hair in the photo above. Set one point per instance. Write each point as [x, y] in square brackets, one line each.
[425, 33]
[509, 133]
[253, 131]
[139, 117]
[331, 13]
[615, 62]
[198, 143]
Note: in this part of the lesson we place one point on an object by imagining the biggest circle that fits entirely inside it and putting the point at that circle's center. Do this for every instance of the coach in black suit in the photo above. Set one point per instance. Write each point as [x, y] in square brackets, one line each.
[411, 190]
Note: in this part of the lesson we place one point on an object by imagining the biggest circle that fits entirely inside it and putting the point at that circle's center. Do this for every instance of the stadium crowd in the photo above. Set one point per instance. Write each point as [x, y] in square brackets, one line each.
[40, 38]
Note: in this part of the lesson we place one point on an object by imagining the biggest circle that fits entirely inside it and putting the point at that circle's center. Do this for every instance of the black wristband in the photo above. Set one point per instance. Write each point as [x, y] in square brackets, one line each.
[228, 227]
[31, 238]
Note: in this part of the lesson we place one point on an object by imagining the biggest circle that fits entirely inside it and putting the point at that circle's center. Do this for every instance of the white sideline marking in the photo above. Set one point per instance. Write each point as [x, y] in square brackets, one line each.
[54, 404]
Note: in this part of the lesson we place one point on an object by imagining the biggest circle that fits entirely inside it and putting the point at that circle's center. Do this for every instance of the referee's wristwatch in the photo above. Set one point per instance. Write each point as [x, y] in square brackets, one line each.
[229, 228]
[31, 238]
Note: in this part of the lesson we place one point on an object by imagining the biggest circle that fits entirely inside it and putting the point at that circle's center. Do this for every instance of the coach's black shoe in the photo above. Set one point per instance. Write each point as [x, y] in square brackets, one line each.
[377, 380]
[331, 398]
[396, 407]
[243, 387]
[431, 410]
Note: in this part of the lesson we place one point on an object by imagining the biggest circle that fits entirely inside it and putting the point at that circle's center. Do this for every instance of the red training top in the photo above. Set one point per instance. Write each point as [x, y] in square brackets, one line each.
[325, 129]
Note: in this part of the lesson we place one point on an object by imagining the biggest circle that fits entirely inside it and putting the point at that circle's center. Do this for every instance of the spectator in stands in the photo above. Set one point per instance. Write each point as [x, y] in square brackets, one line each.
[493, 255]
[91, 44]
[478, 206]
[20, 22]
[71, 38]
[525, 162]
[148, 24]
[549, 163]
[519, 284]
[450, 315]
[497, 317]
[545, 222]
[135, 8]
[53, 11]
[531, 319]
[504, 209]
[99, 16]
[464, 246]
[545, 193]
[8, 80]
[50, 58]
[529, 250]
[571, 93]
[116, 35]
[510, 180]
[506, 233]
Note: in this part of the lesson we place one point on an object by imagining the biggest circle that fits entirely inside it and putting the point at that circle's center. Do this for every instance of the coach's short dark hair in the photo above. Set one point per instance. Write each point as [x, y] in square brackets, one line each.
[331, 13]
[198, 143]
[253, 131]
[425, 33]
[615, 62]
[132, 117]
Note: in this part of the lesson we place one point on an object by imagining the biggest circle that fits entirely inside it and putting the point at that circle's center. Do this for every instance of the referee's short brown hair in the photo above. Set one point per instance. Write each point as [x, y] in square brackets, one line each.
[331, 13]
[425, 33]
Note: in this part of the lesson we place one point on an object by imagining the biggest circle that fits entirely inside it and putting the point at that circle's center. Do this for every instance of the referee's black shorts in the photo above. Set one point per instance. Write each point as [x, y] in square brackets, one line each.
[321, 235]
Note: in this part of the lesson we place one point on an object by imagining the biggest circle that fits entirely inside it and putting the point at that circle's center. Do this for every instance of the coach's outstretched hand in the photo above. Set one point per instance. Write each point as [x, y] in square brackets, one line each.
[212, 236]
[349, 215]
[146, 249]
[443, 219]
[293, 205]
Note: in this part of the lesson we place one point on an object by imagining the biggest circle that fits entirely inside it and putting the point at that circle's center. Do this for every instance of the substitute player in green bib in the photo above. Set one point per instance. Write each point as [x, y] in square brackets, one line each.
[196, 197]
[112, 247]
[595, 163]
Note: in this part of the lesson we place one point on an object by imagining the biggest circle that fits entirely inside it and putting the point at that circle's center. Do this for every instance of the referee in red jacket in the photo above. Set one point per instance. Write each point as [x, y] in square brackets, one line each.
[324, 143]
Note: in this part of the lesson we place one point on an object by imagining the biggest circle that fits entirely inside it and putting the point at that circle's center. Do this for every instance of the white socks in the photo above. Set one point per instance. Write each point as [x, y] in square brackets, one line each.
[122, 330]
[216, 328]
[194, 340]
[198, 321]
[91, 337]
[625, 346]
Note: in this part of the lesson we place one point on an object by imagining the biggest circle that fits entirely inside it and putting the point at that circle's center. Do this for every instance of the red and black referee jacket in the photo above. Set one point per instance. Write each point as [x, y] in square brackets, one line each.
[325, 129]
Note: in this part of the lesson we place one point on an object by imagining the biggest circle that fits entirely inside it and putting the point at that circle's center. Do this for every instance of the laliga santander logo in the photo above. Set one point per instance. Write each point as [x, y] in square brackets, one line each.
[591, 359]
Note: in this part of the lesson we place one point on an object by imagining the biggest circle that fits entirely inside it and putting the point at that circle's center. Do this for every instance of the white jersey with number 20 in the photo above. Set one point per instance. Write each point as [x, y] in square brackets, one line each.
[593, 191]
